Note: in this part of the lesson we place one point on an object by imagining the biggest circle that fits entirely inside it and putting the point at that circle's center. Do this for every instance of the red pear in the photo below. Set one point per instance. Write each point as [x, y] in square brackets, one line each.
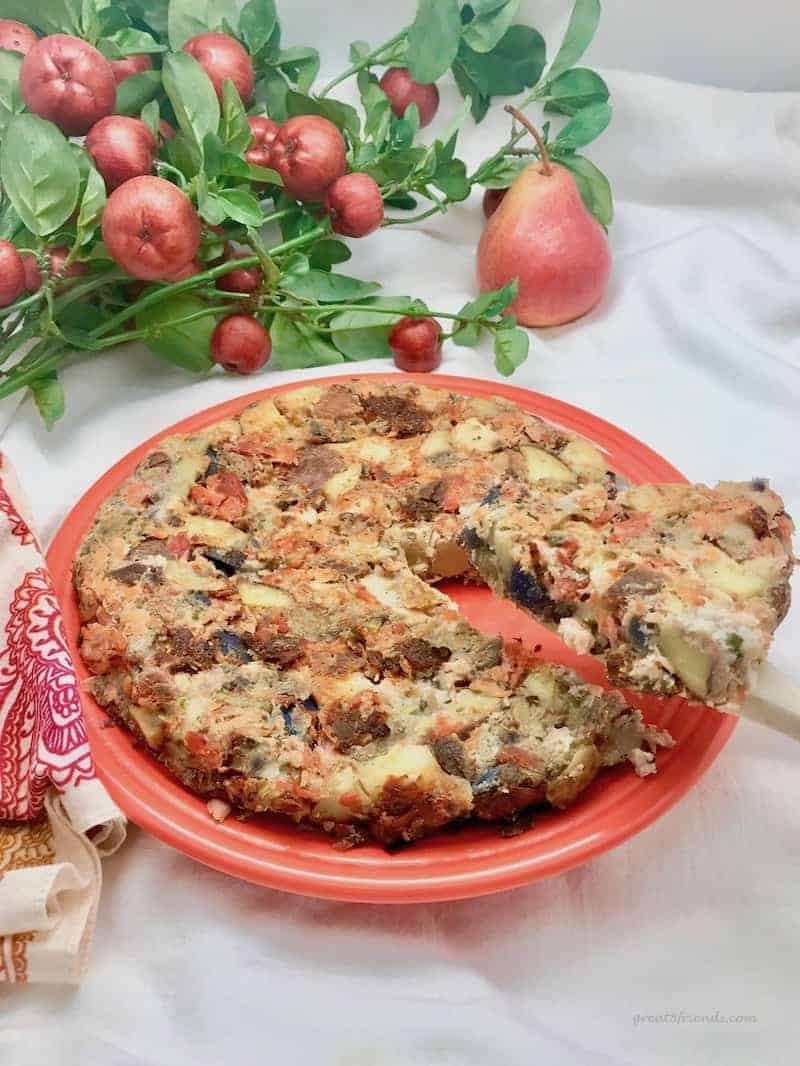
[542, 234]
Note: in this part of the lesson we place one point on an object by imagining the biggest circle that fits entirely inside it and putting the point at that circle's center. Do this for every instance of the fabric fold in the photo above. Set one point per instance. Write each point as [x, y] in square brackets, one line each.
[56, 818]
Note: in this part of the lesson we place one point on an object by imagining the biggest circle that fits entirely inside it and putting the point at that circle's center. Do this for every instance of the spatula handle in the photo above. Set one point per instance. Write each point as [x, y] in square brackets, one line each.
[774, 702]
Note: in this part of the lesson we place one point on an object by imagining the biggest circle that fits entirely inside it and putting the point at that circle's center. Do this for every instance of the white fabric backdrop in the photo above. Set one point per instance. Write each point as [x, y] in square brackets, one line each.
[696, 351]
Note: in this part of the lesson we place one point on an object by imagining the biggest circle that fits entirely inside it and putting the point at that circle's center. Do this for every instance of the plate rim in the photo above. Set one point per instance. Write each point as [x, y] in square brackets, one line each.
[504, 866]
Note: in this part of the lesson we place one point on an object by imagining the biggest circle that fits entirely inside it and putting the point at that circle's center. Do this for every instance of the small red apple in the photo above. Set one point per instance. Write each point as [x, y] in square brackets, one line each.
[16, 36]
[354, 205]
[245, 280]
[166, 131]
[151, 228]
[240, 344]
[57, 257]
[122, 148]
[403, 91]
[65, 80]
[416, 344]
[221, 57]
[33, 275]
[264, 132]
[309, 155]
[130, 65]
[12, 274]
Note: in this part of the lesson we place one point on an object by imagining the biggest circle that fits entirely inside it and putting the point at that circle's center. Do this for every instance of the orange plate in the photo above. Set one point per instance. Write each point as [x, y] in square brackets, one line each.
[454, 864]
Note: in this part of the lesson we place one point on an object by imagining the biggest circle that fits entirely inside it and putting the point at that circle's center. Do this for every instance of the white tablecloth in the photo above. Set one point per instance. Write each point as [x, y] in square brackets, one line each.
[697, 352]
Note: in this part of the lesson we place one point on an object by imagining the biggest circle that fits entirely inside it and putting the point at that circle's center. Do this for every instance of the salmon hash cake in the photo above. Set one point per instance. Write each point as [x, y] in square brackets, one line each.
[258, 606]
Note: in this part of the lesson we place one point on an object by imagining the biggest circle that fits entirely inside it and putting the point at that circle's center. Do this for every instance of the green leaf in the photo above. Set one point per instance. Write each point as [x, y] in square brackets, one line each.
[187, 345]
[472, 91]
[510, 350]
[39, 173]
[328, 252]
[376, 106]
[256, 23]
[11, 102]
[295, 345]
[254, 173]
[128, 42]
[50, 16]
[79, 337]
[575, 89]
[492, 303]
[295, 265]
[514, 64]
[587, 124]
[48, 396]
[359, 49]
[239, 205]
[402, 201]
[357, 344]
[487, 305]
[191, 94]
[270, 92]
[452, 180]
[505, 172]
[112, 19]
[396, 166]
[151, 116]
[134, 92]
[593, 186]
[491, 19]
[212, 156]
[10, 222]
[298, 222]
[187, 18]
[234, 129]
[579, 33]
[323, 287]
[92, 206]
[433, 39]
[184, 153]
[342, 115]
[153, 13]
[301, 65]
[357, 318]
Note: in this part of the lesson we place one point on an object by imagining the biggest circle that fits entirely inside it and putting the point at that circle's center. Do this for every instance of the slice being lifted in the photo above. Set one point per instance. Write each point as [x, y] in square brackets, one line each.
[678, 588]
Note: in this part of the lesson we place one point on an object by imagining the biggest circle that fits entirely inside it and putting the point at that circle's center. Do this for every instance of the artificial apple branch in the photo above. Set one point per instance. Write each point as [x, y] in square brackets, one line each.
[204, 212]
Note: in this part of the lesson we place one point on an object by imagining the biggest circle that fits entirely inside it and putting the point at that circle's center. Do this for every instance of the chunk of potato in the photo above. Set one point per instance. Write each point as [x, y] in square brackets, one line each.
[183, 475]
[214, 531]
[691, 663]
[436, 443]
[740, 580]
[472, 435]
[150, 724]
[374, 450]
[342, 482]
[543, 466]
[253, 595]
[263, 417]
[542, 686]
[299, 400]
[414, 762]
[586, 460]
[482, 405]
[184, 575]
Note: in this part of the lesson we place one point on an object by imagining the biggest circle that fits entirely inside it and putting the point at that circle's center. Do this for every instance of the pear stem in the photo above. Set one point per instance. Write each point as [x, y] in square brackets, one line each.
[545, 168]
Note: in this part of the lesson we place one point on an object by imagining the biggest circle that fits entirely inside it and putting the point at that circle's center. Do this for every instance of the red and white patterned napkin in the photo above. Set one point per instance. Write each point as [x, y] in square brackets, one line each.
[56, 819]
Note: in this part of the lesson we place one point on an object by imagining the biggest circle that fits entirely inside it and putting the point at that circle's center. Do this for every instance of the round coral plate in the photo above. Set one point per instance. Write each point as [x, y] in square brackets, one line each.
[468, 861]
